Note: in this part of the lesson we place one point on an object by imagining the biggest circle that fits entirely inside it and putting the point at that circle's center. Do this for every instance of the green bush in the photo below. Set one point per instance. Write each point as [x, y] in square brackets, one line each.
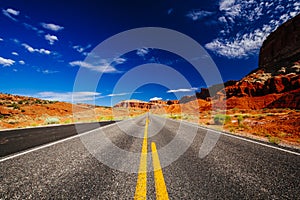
[14, 105]
[240, 119]
[52, 120]
[274, 140]
[220, 119]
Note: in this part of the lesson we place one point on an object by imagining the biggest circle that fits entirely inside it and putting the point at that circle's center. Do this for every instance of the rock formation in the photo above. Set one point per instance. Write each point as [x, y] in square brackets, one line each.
[282, 47]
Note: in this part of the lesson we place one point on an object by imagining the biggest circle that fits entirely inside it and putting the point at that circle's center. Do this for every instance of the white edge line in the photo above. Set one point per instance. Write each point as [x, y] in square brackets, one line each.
[51, 144]
[236, 137]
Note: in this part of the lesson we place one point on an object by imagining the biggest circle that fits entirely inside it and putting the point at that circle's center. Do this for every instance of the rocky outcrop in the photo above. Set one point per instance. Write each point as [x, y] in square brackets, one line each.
[260, 84]
[145, 105]
[133, 104]
[287, 100]
[282, 47]
[207, 93]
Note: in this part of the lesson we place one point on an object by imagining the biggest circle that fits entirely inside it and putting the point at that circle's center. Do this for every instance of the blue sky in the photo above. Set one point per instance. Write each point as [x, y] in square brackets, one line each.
[44, 43]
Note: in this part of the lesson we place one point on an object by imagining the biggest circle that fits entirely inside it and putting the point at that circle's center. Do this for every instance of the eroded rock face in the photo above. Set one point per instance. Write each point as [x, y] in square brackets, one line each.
[282, 47]
[133, 104]
[145, 105]
[254, 86]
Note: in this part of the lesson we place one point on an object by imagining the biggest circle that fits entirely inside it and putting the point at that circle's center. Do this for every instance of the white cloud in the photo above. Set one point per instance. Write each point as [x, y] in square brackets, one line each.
[78, 48]
[69, 96]
[226, 4]
[82, 49]
[22, 62]
[119, 60]
[51, 38]
[30, 27]
[293, 14]
[47, 71]
[10, 13]
[156, 99]
[198, 14]
[297, 6]
[28, 48]
[103, 68]
[52, 27]
[6, 62]
[1, 39]
[182, 90]
[284, 17]
[119, 94]
[236, 41]
[230, 8]
[15, 41]
[279, 8]
[14, 53]
[142, 51]
[240, 46]
[222, 19]
[44, 51]
[32, 50]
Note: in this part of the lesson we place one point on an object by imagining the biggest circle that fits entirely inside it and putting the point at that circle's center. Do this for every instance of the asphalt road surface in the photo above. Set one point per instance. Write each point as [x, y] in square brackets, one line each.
[12, 141]
[87, 166]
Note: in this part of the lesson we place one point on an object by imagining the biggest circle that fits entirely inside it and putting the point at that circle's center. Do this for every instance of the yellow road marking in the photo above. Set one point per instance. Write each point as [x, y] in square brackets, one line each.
[160, 185]
[141, 186]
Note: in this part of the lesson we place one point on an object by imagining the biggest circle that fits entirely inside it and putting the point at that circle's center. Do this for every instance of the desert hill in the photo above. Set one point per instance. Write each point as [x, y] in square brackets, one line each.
[20, 111]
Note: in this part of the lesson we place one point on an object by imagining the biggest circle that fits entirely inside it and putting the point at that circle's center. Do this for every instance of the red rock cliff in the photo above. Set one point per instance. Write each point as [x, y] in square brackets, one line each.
[282, 47]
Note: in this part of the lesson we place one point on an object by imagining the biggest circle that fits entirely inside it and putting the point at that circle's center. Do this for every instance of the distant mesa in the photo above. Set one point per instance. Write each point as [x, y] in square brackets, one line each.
[144, 105]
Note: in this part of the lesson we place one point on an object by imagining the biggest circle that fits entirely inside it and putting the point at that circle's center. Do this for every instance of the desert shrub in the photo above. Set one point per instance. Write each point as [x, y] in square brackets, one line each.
[274, 140]
[15, 106]
[175, 117]
[220, 119]
[282, 134]
[240, 119]
[52, 120]
[67, 121]
[107, 118]
[38, 101]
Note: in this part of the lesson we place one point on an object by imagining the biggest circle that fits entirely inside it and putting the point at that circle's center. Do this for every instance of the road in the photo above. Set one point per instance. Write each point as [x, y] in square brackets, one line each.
[12, 141]
[70, 169]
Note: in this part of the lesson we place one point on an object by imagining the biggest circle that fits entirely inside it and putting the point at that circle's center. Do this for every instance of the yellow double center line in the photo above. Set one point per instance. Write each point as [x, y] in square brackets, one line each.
[160, 185]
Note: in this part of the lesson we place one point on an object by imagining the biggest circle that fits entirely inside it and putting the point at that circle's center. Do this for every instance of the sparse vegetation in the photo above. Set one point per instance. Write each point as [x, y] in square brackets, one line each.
[67, 121]
[240, 120]
[15, 106]
[274, 140]
[52, 120]
[220, 119]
